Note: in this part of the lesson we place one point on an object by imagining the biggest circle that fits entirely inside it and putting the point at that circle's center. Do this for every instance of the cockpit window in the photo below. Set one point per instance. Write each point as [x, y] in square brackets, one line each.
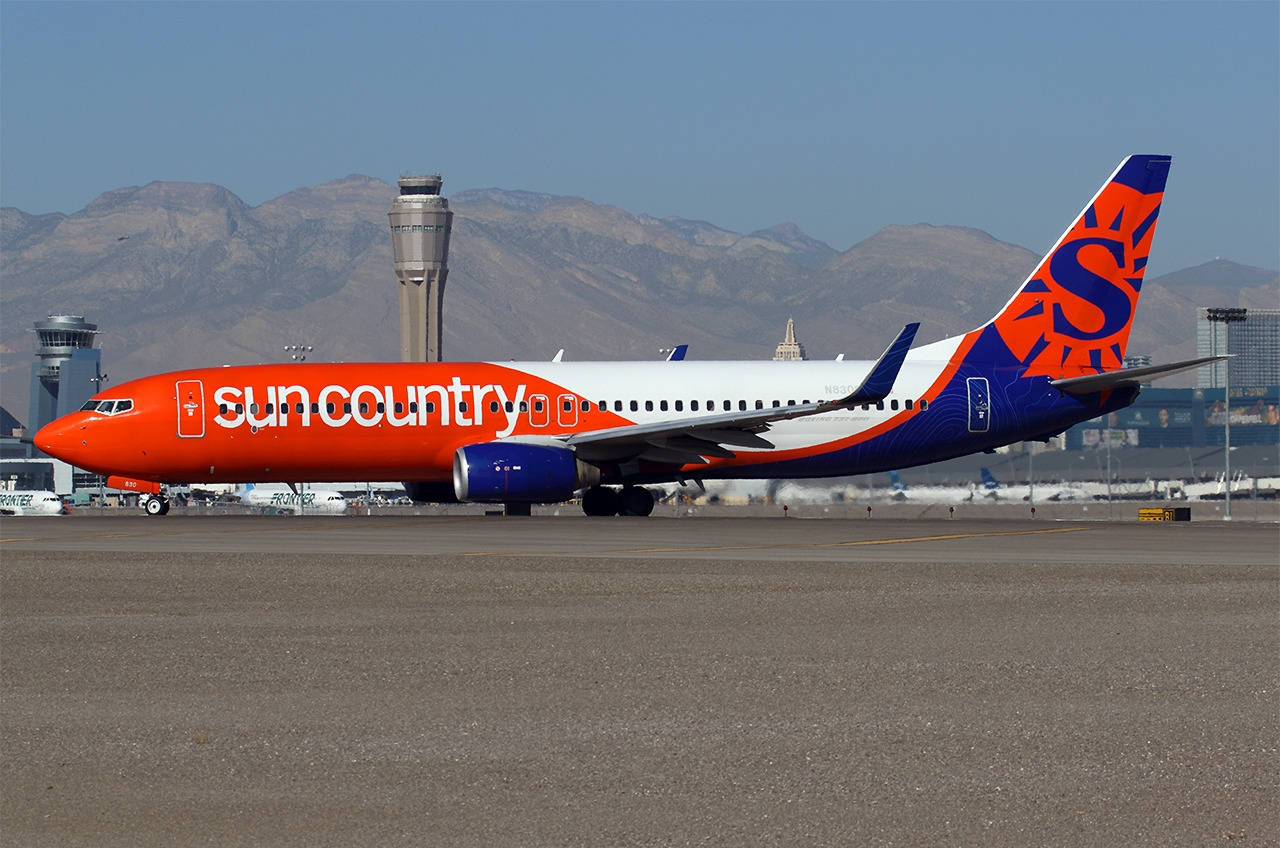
[107, 407]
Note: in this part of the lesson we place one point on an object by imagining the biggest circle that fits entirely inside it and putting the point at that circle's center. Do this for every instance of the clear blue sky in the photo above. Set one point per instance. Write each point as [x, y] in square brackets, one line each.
[843, 118]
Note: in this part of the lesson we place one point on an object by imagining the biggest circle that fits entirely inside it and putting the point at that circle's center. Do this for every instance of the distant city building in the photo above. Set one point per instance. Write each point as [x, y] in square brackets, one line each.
[1180, 418]
[1254, 342]
[420, 226]
[1137, 360]
[67, 370]
[790, 350]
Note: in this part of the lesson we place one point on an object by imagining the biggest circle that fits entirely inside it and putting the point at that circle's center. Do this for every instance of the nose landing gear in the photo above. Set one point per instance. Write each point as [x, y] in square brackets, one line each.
[154, 504]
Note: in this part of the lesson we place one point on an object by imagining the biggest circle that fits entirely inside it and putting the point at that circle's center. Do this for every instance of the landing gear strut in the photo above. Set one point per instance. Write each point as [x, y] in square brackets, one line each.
[631, 500]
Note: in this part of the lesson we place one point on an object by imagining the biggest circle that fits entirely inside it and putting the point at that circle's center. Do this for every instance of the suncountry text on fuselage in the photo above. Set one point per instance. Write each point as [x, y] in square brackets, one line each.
[458, 404]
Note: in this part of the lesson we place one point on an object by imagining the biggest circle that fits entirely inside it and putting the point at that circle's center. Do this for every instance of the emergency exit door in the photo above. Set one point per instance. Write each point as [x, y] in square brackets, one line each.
[190, 408]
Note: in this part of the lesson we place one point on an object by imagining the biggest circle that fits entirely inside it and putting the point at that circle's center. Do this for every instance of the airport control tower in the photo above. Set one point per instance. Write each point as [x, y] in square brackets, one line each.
[67, 370]
[420, 226]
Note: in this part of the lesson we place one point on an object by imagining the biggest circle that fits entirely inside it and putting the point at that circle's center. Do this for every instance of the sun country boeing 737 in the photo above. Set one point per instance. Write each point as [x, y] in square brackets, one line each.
[545, 432]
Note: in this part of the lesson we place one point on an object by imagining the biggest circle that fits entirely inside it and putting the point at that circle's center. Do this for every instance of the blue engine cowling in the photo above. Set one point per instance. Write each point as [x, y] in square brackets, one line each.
[508, 472]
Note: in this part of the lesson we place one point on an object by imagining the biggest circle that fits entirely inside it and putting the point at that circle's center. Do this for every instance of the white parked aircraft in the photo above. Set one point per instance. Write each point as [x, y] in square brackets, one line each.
[30, 502]
[315, 501]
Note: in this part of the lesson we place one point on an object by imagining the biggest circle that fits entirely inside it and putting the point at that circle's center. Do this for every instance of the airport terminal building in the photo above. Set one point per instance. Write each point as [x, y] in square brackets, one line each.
[1176, 418]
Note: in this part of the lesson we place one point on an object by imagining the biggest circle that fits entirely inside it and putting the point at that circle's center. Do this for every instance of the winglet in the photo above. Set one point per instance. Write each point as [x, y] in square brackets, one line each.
[879, 382]
[677, 353]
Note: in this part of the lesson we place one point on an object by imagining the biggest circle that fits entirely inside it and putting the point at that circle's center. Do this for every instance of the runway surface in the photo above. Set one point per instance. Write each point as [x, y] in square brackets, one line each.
[463, 680]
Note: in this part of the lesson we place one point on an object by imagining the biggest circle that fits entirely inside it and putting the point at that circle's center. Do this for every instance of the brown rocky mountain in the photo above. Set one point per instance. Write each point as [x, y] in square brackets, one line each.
[181, 274]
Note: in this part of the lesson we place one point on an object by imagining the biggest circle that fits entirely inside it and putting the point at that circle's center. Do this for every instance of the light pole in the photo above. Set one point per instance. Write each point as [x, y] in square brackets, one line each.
[298, 353]
[1226, 316]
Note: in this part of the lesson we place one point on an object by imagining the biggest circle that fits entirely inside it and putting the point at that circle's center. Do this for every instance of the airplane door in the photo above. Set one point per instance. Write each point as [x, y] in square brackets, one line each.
[979, 405]
[567, 410]
[190, 409]
[539, 411]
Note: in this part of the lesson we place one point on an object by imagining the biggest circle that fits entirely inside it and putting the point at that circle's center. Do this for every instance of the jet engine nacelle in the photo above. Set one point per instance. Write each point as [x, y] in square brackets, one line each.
[510, 472]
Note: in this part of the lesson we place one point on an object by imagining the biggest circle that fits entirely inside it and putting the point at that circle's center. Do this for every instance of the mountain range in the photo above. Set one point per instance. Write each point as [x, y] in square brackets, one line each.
[186, 274]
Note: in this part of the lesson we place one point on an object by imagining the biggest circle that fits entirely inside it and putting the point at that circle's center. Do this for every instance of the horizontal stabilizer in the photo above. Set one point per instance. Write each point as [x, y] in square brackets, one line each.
[1091, 383]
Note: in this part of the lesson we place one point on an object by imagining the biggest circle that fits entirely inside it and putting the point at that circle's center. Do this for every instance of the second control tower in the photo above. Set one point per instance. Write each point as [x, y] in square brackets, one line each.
[420, 227]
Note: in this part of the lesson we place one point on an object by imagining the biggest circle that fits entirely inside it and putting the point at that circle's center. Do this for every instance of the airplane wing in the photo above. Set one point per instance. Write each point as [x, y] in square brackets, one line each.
[691, 440]
[1091, 383]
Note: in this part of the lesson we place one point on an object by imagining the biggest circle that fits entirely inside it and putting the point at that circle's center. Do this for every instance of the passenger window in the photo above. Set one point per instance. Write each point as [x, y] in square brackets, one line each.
[399, 407]
[462, 406]
[413, 407]
[908, 403]
[382, 407]
[648, 406]
[493, 406]
[603, 406]
[299, 407]
[777, 403]
[893, 404]
[679, 406]
[509, 406]
[537, 406]
[634, 406]
[364, 407]
[617, 406]
[693, 406]
[524, 406]
[239, 409]
[346, 407]
[742, 406]
[662, 405]
[728, 405]
[924, 404]
[315, 408]
[585, 406]
[879, 404]
[866, 406]
[431, 406]
[222, 409]
[567, 405]
[329, 407]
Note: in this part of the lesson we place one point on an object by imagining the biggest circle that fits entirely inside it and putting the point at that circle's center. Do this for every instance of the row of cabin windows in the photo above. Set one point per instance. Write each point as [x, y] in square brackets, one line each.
[538, 406]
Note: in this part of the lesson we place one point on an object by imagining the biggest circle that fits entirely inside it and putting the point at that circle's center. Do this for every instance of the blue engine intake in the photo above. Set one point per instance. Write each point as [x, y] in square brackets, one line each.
[509, 472]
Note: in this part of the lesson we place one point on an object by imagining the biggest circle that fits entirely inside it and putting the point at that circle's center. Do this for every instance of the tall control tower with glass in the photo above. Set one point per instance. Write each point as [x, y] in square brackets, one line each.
[420, 227]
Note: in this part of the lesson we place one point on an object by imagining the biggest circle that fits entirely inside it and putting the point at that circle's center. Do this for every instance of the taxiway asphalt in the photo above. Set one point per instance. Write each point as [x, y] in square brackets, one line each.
[462, 680]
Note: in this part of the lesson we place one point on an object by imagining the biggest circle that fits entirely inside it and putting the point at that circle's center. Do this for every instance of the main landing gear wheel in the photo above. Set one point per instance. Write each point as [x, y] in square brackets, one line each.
[603, 500]
[600, 501]
[636, 501]
[156, 505]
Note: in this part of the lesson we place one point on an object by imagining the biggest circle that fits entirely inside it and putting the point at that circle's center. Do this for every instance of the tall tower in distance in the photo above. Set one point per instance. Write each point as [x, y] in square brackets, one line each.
[67, 370]
[420, 227]
[790, 350]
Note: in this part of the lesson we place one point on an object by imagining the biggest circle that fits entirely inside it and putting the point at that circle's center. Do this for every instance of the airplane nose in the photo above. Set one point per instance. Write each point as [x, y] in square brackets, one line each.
[60, 439]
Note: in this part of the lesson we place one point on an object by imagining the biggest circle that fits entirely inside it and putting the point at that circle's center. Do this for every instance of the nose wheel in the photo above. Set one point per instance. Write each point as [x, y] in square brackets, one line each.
[154, 504]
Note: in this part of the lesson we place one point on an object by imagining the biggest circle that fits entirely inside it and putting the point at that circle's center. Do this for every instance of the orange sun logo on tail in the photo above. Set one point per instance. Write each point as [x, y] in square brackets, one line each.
[1073, 315]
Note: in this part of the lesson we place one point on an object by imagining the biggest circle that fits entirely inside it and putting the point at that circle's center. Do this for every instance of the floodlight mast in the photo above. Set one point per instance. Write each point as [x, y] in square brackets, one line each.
[1226, 316]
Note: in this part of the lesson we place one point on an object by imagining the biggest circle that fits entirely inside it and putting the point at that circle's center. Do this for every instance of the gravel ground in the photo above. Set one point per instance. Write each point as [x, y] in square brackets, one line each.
[348, 698]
